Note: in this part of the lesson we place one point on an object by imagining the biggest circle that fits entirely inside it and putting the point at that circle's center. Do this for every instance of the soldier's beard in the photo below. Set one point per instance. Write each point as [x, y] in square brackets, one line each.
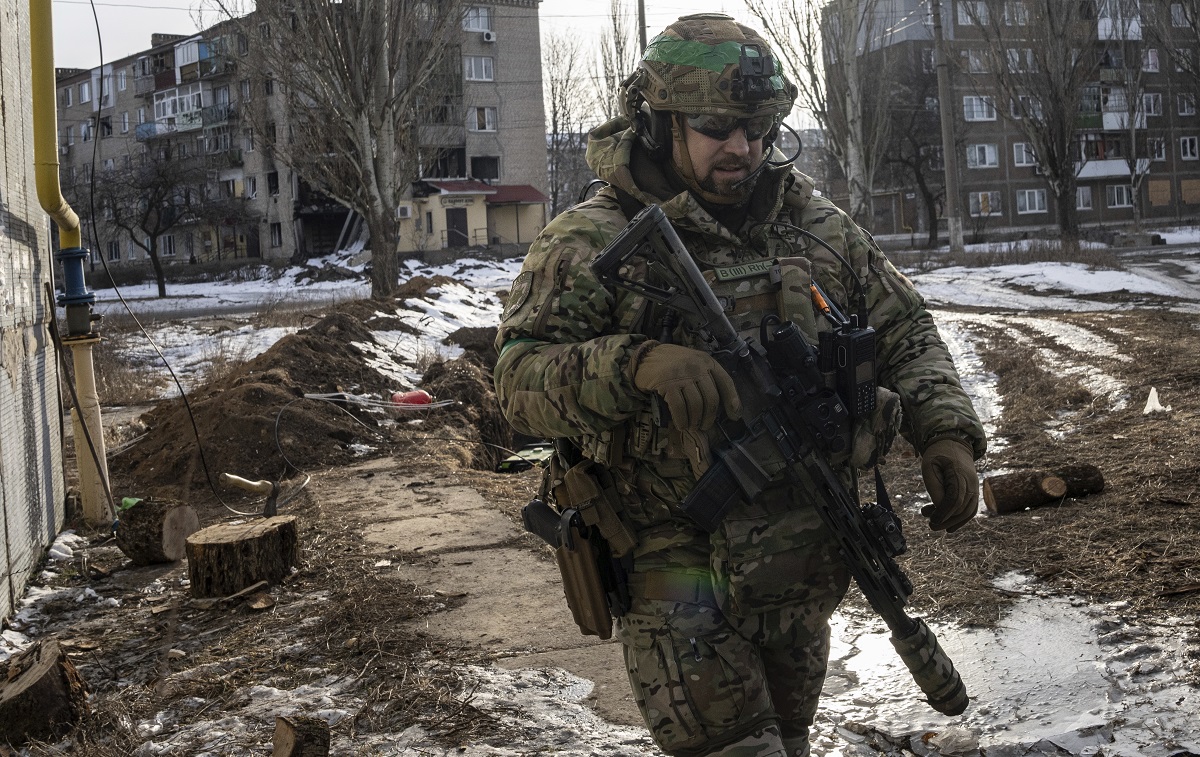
[736, 188]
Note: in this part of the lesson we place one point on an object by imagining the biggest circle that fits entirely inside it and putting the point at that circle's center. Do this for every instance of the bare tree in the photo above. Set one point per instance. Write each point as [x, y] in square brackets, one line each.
[619, 55]
[1124, 61]
[370, 91]
[841, 59]
[913, 156]
[158, 192]
[1036, 61]
[566, 110]
[1174, 27]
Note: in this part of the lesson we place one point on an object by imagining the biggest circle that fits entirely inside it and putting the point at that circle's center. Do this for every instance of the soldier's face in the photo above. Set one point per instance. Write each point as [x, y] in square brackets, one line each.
[719, 164]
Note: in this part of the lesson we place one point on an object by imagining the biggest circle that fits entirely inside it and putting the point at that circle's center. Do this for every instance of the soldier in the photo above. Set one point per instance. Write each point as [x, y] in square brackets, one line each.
[725, 637]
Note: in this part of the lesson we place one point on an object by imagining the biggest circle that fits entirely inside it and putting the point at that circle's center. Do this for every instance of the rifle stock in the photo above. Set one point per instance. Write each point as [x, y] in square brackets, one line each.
[789, 412]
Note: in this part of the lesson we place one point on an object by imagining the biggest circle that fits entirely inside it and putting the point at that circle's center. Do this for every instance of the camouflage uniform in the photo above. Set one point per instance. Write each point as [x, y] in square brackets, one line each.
[727, 636]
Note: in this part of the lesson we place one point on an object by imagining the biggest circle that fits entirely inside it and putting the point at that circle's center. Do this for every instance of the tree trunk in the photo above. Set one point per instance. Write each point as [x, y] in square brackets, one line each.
[154, 531]
[41, 696]
[159, 276]
[385, 262]
[1068, 220]
[1081, 479]
[297, 736]
[1014, 492]
[226, 558]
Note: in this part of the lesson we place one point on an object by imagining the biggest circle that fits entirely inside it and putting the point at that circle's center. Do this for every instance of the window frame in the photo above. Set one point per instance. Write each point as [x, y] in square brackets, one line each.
[1025, 194]
[486, 62]
[985, 102]
[989, 152]
[1080, 191]
[1188, 148]
[1111, 198]
[973, 201]
[1023, 155]
[477, 18]
[489, 124]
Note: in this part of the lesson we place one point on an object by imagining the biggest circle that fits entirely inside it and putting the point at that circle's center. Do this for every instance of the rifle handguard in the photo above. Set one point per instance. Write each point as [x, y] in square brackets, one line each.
[932, 670]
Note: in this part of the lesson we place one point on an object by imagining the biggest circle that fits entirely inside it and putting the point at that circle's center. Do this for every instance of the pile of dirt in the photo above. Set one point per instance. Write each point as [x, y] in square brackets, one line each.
[257, 423]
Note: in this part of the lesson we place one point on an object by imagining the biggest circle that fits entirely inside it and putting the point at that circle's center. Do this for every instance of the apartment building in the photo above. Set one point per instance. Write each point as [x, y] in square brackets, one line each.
[181, 107]
[1137, 116]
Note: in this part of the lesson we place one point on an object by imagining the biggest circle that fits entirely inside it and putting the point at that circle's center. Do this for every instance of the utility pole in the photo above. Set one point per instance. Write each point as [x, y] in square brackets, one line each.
[949, 152]
[642, 24]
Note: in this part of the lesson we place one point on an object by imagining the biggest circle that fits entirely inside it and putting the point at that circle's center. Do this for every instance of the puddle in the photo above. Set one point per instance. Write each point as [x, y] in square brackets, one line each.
[1057, 676]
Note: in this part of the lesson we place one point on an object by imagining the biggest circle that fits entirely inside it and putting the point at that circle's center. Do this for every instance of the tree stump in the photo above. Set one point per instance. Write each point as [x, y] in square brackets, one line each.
[154, 531]
[1013, 492]
[41, 696]
[226, 558]
[1081, 479]
[297, 736]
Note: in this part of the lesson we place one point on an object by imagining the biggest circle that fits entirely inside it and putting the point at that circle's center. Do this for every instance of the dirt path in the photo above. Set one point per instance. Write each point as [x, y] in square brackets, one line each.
[502, 591]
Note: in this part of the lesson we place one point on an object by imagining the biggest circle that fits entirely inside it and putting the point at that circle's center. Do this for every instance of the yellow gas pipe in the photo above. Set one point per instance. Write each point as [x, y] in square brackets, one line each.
[93, 472]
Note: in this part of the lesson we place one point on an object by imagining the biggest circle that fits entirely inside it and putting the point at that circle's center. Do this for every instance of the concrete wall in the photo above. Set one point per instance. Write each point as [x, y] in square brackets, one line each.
[31, 483]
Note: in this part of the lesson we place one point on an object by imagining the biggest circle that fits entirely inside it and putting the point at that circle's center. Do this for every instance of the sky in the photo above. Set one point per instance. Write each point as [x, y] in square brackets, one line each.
[126, 25]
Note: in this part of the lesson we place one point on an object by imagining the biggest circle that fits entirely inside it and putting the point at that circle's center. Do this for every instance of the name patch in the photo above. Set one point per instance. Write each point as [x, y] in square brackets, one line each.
[743, 271]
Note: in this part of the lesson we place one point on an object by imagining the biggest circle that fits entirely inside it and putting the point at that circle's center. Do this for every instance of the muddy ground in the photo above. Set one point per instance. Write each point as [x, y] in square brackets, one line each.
[414, 567]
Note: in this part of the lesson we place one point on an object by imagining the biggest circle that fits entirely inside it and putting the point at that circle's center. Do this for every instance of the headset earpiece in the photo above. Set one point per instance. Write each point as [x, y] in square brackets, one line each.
[654, 131]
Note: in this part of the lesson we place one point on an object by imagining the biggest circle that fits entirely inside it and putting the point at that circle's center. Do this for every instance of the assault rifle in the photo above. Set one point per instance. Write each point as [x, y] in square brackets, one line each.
[791, 421]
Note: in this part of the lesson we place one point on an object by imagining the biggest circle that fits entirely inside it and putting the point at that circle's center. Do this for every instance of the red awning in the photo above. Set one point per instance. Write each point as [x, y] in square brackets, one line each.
[516, 193]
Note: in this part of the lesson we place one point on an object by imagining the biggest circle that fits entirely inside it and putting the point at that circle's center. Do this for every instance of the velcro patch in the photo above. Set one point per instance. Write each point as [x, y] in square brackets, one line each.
[521, 287]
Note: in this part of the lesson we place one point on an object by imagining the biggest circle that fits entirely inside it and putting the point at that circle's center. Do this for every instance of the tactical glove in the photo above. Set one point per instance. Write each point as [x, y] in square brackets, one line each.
[948, 467]
[693, 385]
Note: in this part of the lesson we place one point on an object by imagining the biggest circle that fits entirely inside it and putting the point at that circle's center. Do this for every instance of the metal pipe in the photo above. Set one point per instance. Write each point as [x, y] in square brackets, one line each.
[45, 125]
[93, 470]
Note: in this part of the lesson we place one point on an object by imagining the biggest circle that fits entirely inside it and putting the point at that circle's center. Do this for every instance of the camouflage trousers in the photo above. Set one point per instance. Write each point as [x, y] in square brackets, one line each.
[711, 684]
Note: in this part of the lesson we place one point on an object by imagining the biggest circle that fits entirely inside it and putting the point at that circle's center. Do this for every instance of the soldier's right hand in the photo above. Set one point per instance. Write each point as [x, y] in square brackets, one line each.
[693, 385]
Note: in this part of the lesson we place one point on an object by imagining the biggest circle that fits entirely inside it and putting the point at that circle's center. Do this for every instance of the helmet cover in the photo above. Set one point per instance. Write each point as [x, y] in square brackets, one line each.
[709, 64]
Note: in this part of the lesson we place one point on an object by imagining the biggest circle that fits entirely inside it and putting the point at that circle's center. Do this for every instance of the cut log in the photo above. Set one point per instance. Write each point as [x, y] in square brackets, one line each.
[154, 531]
[297, 736]
[41, 696]
[1081, 479]
[226, 558]
[1013, 492]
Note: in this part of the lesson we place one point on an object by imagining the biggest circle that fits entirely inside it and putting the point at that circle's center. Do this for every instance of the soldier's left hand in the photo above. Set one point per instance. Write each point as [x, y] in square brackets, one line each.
[948, 467]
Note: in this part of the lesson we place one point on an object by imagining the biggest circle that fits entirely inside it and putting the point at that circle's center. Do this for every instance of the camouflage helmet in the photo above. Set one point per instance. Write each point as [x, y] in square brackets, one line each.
[708, 63]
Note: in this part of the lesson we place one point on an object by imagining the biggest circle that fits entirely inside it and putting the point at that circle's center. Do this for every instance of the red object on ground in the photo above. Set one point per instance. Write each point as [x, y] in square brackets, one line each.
[415, 397]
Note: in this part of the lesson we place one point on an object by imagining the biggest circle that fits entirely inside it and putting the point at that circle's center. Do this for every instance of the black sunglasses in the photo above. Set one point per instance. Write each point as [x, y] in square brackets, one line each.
[721, 127]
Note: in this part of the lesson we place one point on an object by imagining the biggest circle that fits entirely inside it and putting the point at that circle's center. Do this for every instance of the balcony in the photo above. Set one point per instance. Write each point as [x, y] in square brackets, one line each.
[189, 121]
[1110, 168]
[143, 85]
[1119, 121]
[152, 130]
[217, 66]
[219, 114]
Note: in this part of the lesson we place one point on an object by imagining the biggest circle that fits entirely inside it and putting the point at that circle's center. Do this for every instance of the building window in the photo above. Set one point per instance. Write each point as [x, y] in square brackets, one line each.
[244, 84]
[251, 187]
[273, 183]
[114, 250]
[971, 13]
[1016, 13]
[984, 203]
[1023, 154]
[70, 135]
[1187, 104]
[1083, 198]
[1031, 201]
[248, 140]
[978, 108]
[429, 222]
[1150, 60]
[976, 62]
[105, 127]
[1025, 105]
[65, 96]
[485, 167]
[478, 68]
[277, 235]
[484, 119]
[166, 244]
[929, 60]
[1156, 148]
[1187, 148]
[85, 91]
[1152, 103]
[1179, 16]
[982, 156]
[141, 115]
[933, 157]
[1020, 60]
[1118, 196]
[125, 122]
[85, 131]
[1183, 59]
[478, 18]
[268, 86]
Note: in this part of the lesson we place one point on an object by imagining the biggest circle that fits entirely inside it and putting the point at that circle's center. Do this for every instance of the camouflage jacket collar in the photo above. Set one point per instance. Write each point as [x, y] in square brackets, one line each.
[613, 150]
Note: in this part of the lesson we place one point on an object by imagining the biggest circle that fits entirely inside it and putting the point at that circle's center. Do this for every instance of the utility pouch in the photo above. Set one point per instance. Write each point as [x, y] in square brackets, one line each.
[598, 506]
[579, 554]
